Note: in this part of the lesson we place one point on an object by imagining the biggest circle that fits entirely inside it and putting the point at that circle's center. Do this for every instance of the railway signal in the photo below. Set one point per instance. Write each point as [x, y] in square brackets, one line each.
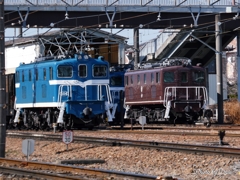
[67, 137]
[28, 147]
[142, 121]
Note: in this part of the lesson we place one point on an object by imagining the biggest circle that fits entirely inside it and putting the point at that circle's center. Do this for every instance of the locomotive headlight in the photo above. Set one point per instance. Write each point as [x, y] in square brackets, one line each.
[87, 111]
[79, 57]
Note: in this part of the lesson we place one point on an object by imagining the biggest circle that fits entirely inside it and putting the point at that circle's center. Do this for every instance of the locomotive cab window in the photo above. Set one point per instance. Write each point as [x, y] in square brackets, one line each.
[131, 79]
[152, 77]
[50, 73]
[184, 77]
[99, 71]
[157, 77]
[30, 75]
[198, 76]
[138, 79]
[44, 74]
[65, 71]
[116, 81]
[22, 76]
[168, 77]
[36, 74]
[82, 70]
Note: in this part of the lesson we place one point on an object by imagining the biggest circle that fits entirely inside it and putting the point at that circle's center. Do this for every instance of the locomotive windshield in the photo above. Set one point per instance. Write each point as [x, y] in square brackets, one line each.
[184, 77]
[100, 71]
[116, 81]
[82, 70]
[65, 71]
[198, 76]
[168, 77]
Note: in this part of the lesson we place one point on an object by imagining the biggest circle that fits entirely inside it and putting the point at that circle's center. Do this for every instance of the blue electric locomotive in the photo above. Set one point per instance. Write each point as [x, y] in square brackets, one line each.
[117, 90]
[69, 93]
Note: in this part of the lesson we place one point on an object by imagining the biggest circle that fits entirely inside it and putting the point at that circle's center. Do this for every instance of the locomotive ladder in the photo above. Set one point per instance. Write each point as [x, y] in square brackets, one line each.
[61, 105]
[16, 119]
[109, 103]
[168, 107]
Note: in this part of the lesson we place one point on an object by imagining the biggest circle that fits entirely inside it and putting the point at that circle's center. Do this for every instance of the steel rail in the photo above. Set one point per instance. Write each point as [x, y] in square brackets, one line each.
[36, 174]
[162, 132]
[232, 128]
[69, 169]
[143, 144]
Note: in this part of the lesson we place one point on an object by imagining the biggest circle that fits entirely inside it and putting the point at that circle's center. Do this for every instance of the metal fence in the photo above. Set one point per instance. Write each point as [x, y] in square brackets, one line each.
[122, 2]
[153, 45]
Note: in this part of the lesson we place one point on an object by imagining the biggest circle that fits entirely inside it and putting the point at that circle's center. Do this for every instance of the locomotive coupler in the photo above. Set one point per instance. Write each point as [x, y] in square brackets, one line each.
[221, 134]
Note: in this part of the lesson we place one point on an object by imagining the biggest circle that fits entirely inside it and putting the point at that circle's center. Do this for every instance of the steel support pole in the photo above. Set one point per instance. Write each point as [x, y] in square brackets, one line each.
[2, 83]
[136, 48]
[218, 36]
[238, 64]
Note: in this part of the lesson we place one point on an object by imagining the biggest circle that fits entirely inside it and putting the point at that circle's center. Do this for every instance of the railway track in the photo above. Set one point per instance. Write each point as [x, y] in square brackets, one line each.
[185, 133]
[189, 148]
[70, 172]
[164, 127]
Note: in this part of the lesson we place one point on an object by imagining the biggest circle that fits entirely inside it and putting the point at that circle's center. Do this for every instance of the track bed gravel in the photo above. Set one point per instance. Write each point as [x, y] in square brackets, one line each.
[138, 160]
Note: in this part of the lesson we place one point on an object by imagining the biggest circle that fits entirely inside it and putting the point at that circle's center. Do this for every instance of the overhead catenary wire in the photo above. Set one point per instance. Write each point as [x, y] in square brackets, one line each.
[187, 27]
[110, 13]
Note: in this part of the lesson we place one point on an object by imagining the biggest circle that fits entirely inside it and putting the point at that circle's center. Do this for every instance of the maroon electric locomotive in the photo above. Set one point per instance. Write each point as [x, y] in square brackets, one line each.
[171, 90]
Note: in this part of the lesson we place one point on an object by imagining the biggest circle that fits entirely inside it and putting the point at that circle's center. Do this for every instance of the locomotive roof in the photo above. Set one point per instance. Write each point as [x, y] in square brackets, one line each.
[162, 68]
[84, 58]
[166, 63]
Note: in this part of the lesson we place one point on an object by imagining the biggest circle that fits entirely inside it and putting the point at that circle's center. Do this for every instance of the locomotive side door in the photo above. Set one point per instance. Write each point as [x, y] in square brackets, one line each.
[184, 79]
[35, 78]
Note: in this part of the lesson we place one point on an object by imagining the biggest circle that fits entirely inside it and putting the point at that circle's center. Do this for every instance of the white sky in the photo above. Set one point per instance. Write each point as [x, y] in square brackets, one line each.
[144, 34]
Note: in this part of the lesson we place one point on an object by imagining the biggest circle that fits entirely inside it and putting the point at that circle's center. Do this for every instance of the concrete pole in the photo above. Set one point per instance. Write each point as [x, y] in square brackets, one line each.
[218, 35]
[238, 63]
[2, 83]
[20, 31]
[121, 53]
[136, 48]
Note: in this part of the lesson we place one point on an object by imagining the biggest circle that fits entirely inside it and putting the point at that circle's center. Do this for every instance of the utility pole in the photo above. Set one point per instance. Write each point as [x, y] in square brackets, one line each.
[218, 36]
[136, 48]
[2, 83]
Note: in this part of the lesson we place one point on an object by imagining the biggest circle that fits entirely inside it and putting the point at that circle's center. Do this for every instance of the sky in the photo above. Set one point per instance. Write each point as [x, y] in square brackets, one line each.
[144, 34]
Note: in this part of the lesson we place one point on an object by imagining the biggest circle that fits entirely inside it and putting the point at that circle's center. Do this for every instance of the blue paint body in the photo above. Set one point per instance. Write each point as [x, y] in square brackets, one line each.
[43, 84]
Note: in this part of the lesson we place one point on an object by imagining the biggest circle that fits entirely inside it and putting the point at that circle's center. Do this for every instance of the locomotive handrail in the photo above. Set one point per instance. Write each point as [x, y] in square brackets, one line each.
[170, 93]
[99, 94]
[60, 93]
[69, 92]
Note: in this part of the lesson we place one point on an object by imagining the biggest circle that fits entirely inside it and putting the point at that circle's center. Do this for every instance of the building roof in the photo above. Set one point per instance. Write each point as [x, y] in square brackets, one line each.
[89, 36]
